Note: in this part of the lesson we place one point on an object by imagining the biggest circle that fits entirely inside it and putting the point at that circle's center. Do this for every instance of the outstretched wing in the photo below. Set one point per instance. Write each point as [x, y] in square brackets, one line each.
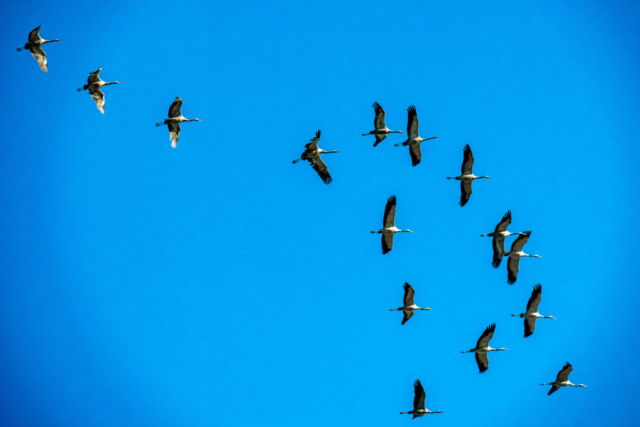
[321, 168]
[94, 77]
[412, 123]
[418, 399]
[387, 242]
[513, 266]
[407, 315]
[467, 162]
[465, 192]
[519, 243]
[498, 251]
[483, 362]
[416, 153]
[174, 133]
[378, 121]
[97, 96]
[34, 34]
[529, 326]
[486, 336]
[536, 296]
[504, 222]
[313, 143]
[174, 109]
[409, 292]
[379, 138]
[41, 57]
[563, 375]
[389, 218]
[553, 389]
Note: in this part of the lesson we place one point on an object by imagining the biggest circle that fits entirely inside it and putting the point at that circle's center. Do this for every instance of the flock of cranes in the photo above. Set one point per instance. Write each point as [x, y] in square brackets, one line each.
[312, 154]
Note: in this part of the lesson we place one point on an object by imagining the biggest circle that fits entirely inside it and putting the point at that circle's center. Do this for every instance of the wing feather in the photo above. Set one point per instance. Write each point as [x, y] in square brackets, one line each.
[483, 362]
[465, 192]
[420, 395]
[519, 243]
[409, 292]
[498, 251]
[534, 301]
[412, 123]
[378, 121]
[321, 168]
[513, 266]
[174, 133]
[467, 162]
[563, 375]
[504, 222]
[529, 326]
[174, 109]
[98, 97]
[416, 153]
[387, 242]
[486, 336]
[34, 34]
[389, 218]
[40, 56]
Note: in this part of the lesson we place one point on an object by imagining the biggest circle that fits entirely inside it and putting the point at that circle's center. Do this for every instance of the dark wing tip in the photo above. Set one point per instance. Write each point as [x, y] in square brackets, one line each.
[567, 365]
[511, 281]
[491, 327]
[376, 105]
[467, 149]
[527, 233]
[411, 109]
[496, 264]
[538, 288]
[507, 215]
[391, 199]
[406, 285]
[318, 134]
[417, 383]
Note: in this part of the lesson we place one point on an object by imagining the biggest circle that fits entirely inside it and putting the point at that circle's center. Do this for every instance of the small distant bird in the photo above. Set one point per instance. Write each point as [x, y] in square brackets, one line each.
[482, 348]
[467, 176]
[35, 46]
[413, 136]
[381, 129]
[312, 155]
[532, 311]
[389, 226]
[174, 120]
[498, 239]
[94, 83]
[513, 265]
[562, 380]
[409, 306]
[419, 409]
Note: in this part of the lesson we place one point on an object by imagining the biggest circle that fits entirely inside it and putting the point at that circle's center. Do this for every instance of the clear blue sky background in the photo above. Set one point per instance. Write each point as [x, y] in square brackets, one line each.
[217, 284]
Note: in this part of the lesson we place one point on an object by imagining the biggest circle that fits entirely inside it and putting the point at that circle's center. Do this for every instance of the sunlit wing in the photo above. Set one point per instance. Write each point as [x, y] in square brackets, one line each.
[498, 251]
[513, 266]
[465, 192]
[408, 314]
[486, 336]
[378, 121]
[321, 168]
[387, 242]
[504, 223]
[98, 97]
[467, 162]
[174, 133]
[529, 326]
[40, 56]
[379, 138]
[534, 301]
[416, 154]
[483, 362]
[409, 292]
[389, 218]
[412, 123]
[519, 243]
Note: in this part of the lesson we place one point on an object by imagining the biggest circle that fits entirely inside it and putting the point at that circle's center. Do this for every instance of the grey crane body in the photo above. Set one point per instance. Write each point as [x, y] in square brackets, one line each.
[389, 226]
[513, 265]
[312, 155]
[413, 136]
[409, 307]
[35, 47]
[94, 83]
[174, 120]
[419, 410]
[499, 234]
[467, 176]
[532, 314]
[562, 379]
[381, 130]
[482, 348]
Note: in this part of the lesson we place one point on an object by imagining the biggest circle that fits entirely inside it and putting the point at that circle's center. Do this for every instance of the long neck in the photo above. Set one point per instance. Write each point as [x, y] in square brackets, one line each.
[50, 41]
[498, 349]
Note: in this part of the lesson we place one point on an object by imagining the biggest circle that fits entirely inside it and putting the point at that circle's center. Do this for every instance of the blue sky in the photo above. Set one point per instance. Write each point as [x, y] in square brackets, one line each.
[217, 284]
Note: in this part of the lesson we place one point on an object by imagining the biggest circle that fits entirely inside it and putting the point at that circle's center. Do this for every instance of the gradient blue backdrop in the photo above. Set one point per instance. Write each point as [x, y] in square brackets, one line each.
[217, 284]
